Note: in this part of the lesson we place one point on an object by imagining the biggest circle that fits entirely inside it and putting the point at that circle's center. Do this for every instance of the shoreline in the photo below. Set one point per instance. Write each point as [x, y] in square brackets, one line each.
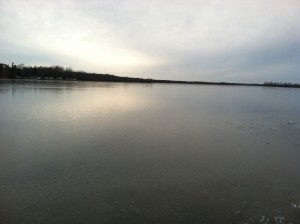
[153, 81]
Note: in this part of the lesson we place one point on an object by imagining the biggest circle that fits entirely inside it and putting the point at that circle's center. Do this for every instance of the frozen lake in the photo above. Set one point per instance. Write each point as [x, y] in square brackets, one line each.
[87, 152]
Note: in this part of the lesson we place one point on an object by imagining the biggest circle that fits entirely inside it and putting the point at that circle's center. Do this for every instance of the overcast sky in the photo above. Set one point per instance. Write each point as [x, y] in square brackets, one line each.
[205, 40]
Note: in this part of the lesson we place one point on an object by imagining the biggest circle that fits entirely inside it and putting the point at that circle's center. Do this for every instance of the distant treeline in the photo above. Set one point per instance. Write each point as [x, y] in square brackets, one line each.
[281, 84]
[60, 73]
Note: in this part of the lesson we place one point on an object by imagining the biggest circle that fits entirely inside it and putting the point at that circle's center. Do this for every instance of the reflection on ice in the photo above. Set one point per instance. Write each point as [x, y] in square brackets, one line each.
[81, 152]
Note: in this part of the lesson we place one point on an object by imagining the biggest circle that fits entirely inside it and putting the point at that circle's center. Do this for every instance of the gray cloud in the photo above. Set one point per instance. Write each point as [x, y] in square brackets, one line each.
[212, 40]
[260, 63]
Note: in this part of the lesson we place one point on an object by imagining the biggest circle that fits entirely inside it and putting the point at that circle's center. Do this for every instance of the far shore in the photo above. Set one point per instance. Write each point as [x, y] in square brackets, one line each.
[68, 74]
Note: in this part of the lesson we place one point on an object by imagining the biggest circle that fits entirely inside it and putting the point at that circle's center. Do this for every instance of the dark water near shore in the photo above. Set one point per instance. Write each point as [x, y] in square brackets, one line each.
[83, 152]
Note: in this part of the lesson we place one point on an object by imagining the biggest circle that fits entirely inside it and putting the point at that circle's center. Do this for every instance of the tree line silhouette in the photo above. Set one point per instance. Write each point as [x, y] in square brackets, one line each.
[281, 84]
[57, 72]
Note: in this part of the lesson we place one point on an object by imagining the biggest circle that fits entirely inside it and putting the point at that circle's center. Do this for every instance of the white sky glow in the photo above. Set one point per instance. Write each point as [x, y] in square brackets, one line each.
[210, 40]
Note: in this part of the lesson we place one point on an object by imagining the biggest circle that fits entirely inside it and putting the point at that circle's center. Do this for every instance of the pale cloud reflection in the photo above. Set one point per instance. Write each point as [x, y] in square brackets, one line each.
[75, 101]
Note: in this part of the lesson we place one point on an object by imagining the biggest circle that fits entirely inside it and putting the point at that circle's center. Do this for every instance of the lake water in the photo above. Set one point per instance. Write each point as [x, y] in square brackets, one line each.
[87, 152]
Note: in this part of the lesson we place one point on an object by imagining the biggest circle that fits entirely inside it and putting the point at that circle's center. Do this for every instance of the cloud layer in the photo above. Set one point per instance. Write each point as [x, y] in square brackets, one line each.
[215, 40]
